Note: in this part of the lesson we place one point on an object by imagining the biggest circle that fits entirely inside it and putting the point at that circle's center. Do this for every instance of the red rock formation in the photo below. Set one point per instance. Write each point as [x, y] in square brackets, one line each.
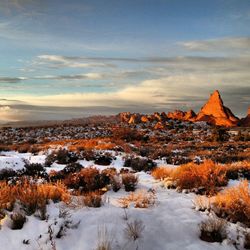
[246, 121]
[190, 115]
[182, 115]
[124, 116]
[177, 114]
[216, 113]
[134, 119]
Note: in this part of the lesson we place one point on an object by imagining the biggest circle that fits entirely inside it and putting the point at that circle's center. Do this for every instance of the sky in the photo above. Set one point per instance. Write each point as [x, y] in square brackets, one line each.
[65, 59]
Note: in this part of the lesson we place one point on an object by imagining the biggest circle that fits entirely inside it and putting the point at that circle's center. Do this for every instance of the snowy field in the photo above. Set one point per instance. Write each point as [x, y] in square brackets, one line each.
[171, 223]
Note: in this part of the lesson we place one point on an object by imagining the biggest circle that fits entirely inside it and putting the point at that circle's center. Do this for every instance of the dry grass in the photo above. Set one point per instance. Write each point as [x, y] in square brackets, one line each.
[161, 173]
[234, 203]
[92, 199]
[202, 203]
[134, 230]
[104, 239]
[140, 199]
[32, 196]
[213, 230]
[207, 176]
[129, 181]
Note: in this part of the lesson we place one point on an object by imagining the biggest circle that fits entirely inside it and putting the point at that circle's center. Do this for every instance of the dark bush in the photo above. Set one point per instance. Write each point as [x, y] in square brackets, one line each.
[7, 173]
[213, 230]
[220, 135]
[65, 157]
[33, 169]
[104, 160]
[62, 156]
[130, 182]
[72, 168]
[127, 134]
[18, 221]
[139, 164]
[88, 179]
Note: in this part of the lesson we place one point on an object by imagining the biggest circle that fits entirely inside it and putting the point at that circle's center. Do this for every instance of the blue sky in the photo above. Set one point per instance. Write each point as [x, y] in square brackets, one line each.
[112, 56]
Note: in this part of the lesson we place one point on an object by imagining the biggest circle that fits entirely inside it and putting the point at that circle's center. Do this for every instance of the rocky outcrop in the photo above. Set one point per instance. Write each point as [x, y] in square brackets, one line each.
[245, 122]
[124, 116]
[190, 115]
[216, 113]
[213, 112]
[182, 115]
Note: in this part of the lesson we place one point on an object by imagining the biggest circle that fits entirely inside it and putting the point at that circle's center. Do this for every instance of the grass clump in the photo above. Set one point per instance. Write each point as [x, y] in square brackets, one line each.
[234, 203]
[129, 181]
[213, 230]
[92, 199]
[32, 196]
[140, 199]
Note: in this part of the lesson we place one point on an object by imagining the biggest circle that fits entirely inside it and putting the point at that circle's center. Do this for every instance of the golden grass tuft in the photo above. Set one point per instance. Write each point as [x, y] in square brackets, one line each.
[207, 176]
[161, 173]
[31, 195]
[140, 199]
[234, 203]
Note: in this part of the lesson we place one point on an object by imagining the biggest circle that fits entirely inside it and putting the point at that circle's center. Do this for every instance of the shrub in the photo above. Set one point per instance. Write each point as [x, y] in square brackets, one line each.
[110, 172]
[116, 183]
[213, 230]
[140, 199]
[50, 159]
[247, 240]
[7, 173]
[134, 230]
[206, 177]
[127, 134]
[65, 157]
[88, 179]
[62, 174]
[62, 156]
[92, 199]
[139, 164]
[234, 203]
[24, 148]
[72, 168]
[129, 181]
[104, 160]
[220, 135]
[18, 221]
[161, 173]
[33, 169]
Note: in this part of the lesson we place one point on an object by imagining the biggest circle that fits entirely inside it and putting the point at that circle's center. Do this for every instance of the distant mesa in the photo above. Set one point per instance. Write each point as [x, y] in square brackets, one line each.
[216, 113]
[213, 112]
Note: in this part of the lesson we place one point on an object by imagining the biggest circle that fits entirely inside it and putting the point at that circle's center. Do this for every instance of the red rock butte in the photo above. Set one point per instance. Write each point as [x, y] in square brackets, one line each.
[216, 113]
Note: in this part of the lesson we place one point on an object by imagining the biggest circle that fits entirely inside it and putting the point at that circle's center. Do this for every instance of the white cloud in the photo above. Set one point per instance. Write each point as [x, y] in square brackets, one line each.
[57, 61]
[224, 44]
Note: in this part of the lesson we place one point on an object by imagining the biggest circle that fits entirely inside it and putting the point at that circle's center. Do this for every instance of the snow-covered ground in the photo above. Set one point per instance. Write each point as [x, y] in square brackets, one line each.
[171, 224]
